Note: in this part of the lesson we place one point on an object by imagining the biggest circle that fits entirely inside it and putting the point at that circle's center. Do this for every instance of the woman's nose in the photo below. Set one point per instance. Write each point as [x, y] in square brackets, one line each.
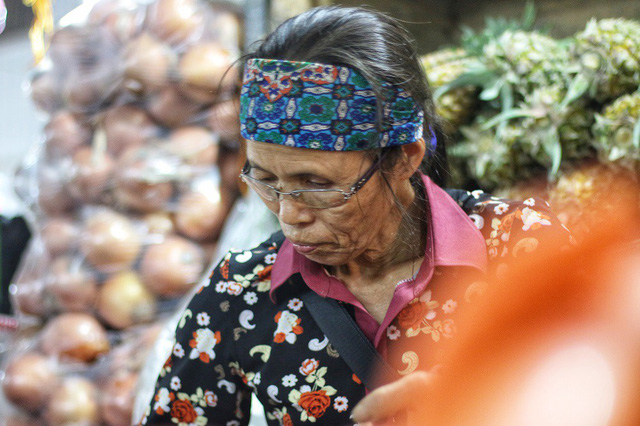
[292, 212]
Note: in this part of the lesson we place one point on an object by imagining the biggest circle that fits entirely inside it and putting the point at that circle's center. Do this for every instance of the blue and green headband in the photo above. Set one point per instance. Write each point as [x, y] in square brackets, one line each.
[325, 107]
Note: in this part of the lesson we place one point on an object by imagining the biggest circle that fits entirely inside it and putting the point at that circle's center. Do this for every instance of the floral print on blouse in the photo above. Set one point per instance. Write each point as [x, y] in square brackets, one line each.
[234, 340]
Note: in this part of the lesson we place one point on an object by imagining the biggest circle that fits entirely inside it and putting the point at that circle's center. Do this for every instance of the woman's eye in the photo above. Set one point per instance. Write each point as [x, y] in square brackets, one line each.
[318, 184]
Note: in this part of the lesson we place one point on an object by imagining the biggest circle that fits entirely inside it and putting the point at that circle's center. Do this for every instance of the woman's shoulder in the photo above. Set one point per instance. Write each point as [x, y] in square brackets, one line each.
[511, 227]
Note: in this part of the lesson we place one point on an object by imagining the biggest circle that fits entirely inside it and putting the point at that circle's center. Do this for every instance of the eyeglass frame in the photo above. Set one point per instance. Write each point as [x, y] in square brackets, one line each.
[295, 194]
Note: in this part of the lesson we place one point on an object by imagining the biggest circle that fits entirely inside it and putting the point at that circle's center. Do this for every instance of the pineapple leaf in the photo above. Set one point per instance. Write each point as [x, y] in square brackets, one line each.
[636, 134]
[475, 76]
[492, 90]
[578, 87]
[508, 115]
[553, 148]
[529, 15]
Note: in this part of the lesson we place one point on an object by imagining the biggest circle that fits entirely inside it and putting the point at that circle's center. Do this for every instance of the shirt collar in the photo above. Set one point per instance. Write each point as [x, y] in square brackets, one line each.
[454, 241]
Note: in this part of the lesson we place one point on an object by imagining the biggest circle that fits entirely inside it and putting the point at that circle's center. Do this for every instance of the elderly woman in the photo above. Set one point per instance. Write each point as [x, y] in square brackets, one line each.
[339, 123]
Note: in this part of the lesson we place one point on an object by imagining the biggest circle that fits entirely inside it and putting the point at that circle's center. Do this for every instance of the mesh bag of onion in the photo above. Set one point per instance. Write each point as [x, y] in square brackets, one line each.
[128, 191]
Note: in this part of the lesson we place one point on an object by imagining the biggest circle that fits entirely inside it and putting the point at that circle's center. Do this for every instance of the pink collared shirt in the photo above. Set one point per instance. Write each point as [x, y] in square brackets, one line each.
[454, 240]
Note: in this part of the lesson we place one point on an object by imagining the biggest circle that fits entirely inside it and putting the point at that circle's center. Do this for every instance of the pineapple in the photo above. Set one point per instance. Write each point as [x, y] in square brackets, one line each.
[609, 53]
[457, 104]
[585, 197]
[527, 60]
[614, 132]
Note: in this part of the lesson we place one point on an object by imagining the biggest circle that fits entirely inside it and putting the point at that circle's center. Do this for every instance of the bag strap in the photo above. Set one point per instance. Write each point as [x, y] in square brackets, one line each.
[348, 339]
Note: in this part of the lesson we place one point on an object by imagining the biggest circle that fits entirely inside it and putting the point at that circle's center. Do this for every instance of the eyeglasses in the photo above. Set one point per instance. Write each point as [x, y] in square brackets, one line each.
[313, 198]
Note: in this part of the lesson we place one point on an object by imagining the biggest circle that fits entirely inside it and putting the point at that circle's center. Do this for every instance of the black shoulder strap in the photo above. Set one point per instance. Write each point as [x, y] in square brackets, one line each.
[345, 335]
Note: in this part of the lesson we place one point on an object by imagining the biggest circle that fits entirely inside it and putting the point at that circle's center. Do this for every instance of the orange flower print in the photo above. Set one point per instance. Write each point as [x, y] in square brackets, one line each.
[162, 400]
[224, 269]
[182, 410]
[412, 314]
[314, 403]
[356, 379]
[309, 365]
[286, 420]
[288, 327]
[202, 344]
[265, 274]
[211, 398]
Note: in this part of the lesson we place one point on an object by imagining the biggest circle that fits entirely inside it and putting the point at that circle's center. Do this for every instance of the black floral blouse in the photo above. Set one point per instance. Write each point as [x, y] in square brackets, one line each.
[234, 340]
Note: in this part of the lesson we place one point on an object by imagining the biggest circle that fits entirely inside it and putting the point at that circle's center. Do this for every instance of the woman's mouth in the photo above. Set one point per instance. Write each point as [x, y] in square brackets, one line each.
[303, 248]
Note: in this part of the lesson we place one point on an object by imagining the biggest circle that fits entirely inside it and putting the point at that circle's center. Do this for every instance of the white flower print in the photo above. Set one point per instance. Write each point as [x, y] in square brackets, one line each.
[222, 286]
[235, 289]
[257, 378]
[211, 398]
[501, 208]
[175, 383]
[203, 343]
[233, 423]
[449, 306]
[295, 304]
[426, 298]
[531, 219]
[308, 366]
[393, 332]
[162, 400]
[270, 258]
[203, 319]
[477, 220]
[289, 380]
[251, 298]
[178, 350]
[341, 403]
[288, 327]
[529, 202]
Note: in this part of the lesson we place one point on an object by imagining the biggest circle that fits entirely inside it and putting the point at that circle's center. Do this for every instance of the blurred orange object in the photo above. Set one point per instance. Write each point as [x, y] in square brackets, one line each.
[555, 340]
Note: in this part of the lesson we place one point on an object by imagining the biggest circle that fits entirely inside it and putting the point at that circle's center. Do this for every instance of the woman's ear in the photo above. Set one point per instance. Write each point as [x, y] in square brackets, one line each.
[413, 155]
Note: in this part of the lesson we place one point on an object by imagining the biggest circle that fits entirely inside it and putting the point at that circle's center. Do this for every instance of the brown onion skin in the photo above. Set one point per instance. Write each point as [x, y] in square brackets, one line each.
[53, 193]
[75, 402]
[74, 336]
[110, 241]
[91, 173]
[149, 61]
[65, 133]
[169, 107]
[74, 287]
[29, 381]
[206, 72]
[118, 396]
[199, 216]
[127, 126]
[45, 91]
[195, 145]
[158, 223]
[132, 187]
[172, 267]
[176, 21]
[60, 235]
[125, 301]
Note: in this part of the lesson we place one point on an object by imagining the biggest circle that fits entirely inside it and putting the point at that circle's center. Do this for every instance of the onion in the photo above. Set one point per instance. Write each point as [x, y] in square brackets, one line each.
[172, 267]
[224, 119]
[127, 126]
[44, 89]
[29, 381]
[53, 196]
[59, 235]
[31, 298]
[226, 28]
[90, 174]
[158, 223]
[110, 241]
[202, 68]
[74, 286]
[65, 133]
[74, 336]
[118, 396]
[125, 301]
[121, 18]
[75, 402]
[149, 61]
[176, 21]
[143, 182]
[170, 108]
[194, 145]
[200, 216]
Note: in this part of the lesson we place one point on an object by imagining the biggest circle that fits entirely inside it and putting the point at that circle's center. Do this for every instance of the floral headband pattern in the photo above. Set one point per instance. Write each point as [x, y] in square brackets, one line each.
[325, 107]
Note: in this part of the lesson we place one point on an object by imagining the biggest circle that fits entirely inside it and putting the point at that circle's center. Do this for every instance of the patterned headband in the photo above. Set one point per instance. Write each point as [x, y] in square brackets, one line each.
[325, 107]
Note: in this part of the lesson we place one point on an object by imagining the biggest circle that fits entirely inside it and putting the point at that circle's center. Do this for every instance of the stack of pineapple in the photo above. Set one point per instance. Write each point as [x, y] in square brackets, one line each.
[522, 105]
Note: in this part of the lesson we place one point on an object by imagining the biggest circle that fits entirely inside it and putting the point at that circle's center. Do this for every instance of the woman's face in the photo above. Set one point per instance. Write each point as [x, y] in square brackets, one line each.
[361, 228]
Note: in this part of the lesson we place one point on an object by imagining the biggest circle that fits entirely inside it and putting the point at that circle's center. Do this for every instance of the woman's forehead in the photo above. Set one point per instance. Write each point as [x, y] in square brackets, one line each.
[270, 156]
